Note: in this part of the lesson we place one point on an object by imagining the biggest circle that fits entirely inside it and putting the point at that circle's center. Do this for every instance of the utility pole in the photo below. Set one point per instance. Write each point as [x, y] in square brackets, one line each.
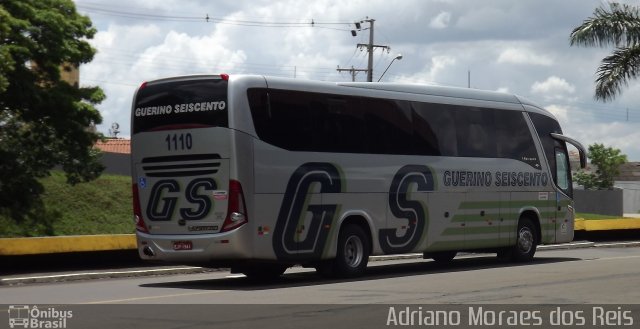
[352, 71]
[370, 47]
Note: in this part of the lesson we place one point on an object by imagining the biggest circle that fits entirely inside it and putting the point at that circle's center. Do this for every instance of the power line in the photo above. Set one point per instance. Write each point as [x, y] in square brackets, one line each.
[370, 47]
[211, 19]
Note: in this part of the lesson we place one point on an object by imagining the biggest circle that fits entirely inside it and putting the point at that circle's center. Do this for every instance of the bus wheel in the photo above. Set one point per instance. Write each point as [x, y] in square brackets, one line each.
[441, 257]
[526, 241]
[353, 252]
[263, 272]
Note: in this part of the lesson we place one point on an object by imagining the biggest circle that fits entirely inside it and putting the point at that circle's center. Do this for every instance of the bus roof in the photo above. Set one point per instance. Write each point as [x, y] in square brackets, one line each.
[421, 89]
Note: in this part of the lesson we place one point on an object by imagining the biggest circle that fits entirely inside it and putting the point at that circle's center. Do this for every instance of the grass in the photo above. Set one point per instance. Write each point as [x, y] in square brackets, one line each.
[593, 216]
[102, 206]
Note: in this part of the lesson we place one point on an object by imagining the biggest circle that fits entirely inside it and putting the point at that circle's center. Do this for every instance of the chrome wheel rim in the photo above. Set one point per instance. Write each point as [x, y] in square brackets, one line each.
[353, 251]
[525, 240]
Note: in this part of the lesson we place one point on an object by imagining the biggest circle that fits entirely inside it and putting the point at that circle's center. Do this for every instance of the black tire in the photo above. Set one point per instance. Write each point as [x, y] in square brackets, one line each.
[442, 257]
[505, 254]
[353, 252]
[264, 272]
[526, 241]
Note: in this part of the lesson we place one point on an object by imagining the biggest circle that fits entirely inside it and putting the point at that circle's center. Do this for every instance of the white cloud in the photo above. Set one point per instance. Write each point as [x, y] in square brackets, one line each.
[441, 21]
[432, 73]
[620, 135]
[553, 88]
[523, 56]
[560, 112]
[518, 47]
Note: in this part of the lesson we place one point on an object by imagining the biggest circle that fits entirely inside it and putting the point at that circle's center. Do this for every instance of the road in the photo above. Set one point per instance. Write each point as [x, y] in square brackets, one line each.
[556, 277]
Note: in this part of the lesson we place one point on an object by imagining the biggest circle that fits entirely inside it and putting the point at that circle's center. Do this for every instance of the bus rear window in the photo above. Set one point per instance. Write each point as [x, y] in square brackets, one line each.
[194, 103]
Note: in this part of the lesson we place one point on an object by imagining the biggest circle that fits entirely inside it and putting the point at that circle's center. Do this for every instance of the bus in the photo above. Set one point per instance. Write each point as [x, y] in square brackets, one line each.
[258, 174]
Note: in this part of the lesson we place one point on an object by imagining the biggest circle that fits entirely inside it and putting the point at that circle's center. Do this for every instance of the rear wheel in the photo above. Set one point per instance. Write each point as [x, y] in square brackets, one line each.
[352, 255]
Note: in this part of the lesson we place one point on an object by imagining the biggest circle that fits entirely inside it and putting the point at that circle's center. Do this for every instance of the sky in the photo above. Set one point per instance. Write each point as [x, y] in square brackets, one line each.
[520, 47]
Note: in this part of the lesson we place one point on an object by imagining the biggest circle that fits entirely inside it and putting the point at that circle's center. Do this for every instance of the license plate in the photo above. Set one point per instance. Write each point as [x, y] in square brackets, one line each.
[182, 245]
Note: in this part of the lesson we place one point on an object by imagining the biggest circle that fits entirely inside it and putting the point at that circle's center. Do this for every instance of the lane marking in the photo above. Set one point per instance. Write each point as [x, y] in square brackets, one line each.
[618, 244]
[58, 276]
[612, 258]
[124, 300]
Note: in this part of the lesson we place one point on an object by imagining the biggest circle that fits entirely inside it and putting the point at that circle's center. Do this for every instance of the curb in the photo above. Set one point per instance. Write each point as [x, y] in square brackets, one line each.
[591, 225]
[66, 244]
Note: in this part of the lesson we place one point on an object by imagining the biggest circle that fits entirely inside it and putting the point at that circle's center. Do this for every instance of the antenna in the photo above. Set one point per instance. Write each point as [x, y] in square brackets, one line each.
[115, 130]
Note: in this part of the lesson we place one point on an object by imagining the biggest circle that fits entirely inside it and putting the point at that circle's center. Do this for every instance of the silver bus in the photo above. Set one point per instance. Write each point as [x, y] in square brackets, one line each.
[259, 173]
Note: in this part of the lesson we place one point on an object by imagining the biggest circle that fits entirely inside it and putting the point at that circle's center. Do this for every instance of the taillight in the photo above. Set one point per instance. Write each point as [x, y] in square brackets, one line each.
[224, 76]
[137, 212]
[237, 209]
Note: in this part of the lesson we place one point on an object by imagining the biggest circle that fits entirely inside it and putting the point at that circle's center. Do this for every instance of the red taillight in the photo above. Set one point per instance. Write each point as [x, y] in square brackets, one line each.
[237, 209]
[224, 76]
[137, 212]
[143, 85]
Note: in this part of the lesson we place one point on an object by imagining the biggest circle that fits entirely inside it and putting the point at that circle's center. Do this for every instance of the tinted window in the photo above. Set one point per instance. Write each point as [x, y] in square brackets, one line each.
[475, 130]
[191, 103]
[514, 139]
[544, 127]
[388, 126]
[314, 122]
[282, 120]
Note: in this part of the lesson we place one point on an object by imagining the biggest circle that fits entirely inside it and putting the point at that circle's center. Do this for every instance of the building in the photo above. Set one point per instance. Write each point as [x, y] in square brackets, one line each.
[116, 156]
[629, 182]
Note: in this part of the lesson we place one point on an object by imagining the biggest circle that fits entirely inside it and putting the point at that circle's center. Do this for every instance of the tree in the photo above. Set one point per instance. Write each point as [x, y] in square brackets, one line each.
[43, 121]
[608, 161]
[617, 26]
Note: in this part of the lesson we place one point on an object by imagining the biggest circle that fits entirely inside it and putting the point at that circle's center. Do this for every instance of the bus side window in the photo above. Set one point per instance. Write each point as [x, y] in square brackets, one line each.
[563, 175]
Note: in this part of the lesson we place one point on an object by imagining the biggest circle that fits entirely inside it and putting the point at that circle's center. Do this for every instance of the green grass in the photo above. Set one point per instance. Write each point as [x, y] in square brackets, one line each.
[102, 206]
[593, 216]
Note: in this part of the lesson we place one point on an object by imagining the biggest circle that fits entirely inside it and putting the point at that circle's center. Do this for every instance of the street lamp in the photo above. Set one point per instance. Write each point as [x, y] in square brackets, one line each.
[399, 56]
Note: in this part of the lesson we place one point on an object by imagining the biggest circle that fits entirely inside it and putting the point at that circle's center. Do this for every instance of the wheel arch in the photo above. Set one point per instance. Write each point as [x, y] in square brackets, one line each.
[357, 218]
[534, 215]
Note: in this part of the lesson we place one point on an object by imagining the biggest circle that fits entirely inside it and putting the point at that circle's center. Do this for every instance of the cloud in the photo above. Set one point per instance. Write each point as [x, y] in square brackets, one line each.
[441, 21]
[518, 47]
[523, 56]
[432, 73]
[553, 88]
[561, 112]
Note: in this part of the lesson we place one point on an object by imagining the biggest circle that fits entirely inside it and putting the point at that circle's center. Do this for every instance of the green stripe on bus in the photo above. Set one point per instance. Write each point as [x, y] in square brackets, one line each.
[506, 204]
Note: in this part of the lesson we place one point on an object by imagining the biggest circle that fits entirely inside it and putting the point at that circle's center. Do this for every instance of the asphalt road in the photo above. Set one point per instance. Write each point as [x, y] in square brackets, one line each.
[586, 275]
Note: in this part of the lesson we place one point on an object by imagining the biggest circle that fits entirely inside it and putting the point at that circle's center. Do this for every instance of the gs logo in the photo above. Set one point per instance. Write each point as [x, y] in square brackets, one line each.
[295, 205]
[402, 207]
[164, 199]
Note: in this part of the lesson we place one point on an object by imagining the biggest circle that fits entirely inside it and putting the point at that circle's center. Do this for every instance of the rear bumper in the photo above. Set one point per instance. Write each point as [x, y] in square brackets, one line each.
[206, 248]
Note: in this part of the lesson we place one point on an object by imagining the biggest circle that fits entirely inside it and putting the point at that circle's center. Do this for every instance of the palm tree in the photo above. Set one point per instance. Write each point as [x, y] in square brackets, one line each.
[618, 26]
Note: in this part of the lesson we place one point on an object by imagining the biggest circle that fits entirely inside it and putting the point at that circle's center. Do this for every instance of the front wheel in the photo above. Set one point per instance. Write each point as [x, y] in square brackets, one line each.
[526, 241]
[353, 252]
